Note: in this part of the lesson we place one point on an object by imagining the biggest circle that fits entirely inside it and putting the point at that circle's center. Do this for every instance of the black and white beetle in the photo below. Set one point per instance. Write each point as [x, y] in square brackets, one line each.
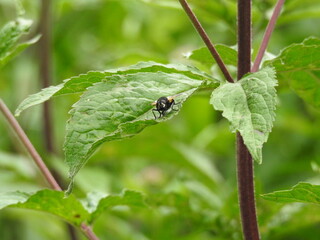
[163, 104]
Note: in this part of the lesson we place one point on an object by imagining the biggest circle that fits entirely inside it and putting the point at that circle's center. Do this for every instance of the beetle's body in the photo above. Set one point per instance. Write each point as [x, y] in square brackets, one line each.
[163, 104]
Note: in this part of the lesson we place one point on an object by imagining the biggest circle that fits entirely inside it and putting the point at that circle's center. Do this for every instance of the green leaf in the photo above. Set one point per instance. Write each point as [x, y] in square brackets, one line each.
[302, 192]
[300, 64]
[80, 83]
[249, 105]
[97, 205]
[202, 55]
[70, 209]
[9, 36]
[119, 107]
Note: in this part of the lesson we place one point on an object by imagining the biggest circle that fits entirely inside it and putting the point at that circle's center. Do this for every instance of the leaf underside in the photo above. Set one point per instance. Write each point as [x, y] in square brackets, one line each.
[249, 105]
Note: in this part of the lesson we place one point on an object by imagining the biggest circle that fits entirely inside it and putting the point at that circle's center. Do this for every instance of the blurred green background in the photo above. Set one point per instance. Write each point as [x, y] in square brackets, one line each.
[186, 166]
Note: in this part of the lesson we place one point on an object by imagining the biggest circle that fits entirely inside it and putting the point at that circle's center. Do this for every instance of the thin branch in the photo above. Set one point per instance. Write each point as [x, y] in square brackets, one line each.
[206, 40]
[267, 35]
[28, 145]
[245, 171]
[38, 160]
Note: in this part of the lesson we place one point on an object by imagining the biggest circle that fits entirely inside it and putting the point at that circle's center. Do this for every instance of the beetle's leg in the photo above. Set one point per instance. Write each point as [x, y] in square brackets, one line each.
[155, 117]
[175, 104]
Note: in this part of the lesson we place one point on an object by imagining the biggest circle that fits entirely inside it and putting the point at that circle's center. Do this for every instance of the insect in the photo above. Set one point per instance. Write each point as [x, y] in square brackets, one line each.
[163, 104]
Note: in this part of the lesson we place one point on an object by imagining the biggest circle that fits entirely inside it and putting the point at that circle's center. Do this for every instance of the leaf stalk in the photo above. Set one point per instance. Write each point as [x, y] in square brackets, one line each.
[267, 35]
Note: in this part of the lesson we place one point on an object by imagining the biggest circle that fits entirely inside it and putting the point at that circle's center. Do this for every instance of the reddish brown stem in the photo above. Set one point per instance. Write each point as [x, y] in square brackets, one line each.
[267, 35]
[244, 160]
[45, 52]
[38, 160]
[206, 40]
[28, 145]
[45, 68]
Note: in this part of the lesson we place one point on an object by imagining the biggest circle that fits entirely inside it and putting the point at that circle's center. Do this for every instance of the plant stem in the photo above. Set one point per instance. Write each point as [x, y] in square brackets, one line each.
[45, 53]
[267, 35]
[30, 148]
[206, 40]
[244, 160]
[38, 160]
[45, 68]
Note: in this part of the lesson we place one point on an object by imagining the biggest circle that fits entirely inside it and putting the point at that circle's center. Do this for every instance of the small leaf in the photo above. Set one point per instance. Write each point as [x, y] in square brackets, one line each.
[70, 209]
[299, 64]
[249, 105]
[80, 83]
[128, 198]
[202, 55]
[9, 36]
[119, 107]
[302, 192]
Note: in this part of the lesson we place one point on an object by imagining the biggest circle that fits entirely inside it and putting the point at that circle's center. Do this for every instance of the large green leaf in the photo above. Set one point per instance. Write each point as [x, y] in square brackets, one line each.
[80, 83]
[71, 209]
[302, 192]
[9, 36]
[119, 107]
[299, 64]
[249, 105]
[116, 104]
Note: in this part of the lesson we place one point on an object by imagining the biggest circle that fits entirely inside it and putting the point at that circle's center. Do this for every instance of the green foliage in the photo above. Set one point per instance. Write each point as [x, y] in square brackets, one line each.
[70, 209]
[299, 64]
[184, 167]
[249, 105]
[302, 192]
[50, 201]
[9, 36]
[80, 83]
[117, 104]
[202, 55]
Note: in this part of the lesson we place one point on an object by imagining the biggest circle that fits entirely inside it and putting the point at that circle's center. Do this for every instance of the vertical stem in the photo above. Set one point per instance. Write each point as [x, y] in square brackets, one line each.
[45, 56]
[45, 68]
[244, 159]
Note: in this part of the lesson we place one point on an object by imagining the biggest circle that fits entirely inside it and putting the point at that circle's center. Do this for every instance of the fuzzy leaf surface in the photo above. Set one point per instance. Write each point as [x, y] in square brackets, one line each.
[302, 192]
[249, 105]
[9, 36]
[119, 107]
[299, 64]
[79, 84]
